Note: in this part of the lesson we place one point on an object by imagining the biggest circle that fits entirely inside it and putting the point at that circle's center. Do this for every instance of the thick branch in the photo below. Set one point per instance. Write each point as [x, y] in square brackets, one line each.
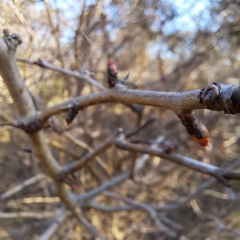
[226, 100]
[11, 75]
[25, 106]
[178, 102]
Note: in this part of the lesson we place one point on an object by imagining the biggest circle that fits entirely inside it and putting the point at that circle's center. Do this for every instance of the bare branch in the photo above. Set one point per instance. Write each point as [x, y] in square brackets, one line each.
[33, 200]
[174, 101]
[54, 226]
[107, 208]
[222, 175]
[140, 128]
[223, 228]
[108, 184]
[194, 193]
[77, 75]
[129, 207]
[225, 99]
[185, 68]
[140, 163]
[90, 227]
[18, 13]
[143, 206]
[83, 33]
[25, 106]
[12, 124]
[28, 215]
[91, 155]
[77, 165]
[22, 186]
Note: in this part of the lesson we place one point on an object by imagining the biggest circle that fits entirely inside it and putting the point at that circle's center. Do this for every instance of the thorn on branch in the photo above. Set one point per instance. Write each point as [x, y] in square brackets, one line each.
[129, 84]
[124, 80]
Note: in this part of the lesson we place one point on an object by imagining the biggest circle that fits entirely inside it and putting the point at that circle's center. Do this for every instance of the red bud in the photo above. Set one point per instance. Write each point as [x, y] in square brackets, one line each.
[112, 74]
[112, 68]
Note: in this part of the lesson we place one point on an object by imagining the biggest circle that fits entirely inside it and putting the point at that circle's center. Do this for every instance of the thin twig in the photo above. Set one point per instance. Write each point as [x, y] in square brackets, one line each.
[12, 124]
[108, 208]
[108, 184]
[220, 174]
[83, 33]
[93, 153]
[90, 227]
[77, 75]
[37, 215]
[195, 192]
[22, 186]
[54, 226]
[149, 209]
[77, 165]
[140, 128]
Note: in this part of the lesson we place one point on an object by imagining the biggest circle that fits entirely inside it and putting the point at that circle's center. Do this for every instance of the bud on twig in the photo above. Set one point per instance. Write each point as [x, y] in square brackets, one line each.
[71, 115]
[72, 112]
[197, 131]
[112, 74]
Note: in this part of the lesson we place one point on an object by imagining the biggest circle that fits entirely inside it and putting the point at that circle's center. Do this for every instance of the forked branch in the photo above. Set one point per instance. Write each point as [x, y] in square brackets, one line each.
[222, 175]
